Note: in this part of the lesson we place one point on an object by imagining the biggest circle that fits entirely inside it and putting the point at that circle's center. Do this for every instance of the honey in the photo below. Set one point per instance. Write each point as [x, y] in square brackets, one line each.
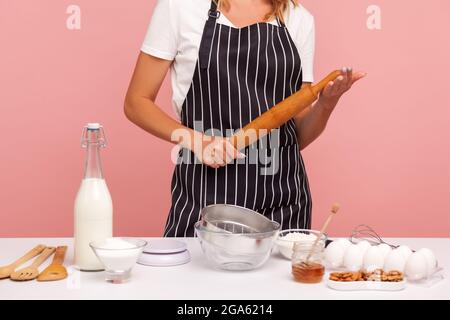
[308, 272]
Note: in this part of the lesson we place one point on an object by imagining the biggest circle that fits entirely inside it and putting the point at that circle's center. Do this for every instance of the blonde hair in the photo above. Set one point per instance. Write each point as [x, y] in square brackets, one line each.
[279, 7]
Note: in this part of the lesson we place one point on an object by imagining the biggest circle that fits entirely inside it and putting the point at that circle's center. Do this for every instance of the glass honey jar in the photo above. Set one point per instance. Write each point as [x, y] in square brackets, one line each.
[308, 266]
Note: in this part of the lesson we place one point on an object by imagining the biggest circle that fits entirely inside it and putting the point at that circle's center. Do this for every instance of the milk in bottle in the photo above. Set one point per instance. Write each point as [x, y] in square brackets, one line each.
[93, 208]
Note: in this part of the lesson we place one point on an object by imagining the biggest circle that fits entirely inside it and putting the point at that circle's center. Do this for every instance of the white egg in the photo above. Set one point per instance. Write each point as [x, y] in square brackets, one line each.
[416, 266]
[353, 258]
[406, 251]
[431, 260]
[344, 243]
[384, 249]
[373, 259]
[363, 246]
[334, 255]
[395, 261]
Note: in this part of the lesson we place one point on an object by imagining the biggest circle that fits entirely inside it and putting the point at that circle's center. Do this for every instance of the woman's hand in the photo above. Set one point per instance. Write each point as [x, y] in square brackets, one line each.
[311, 125]
[335, 89]
[216, 151]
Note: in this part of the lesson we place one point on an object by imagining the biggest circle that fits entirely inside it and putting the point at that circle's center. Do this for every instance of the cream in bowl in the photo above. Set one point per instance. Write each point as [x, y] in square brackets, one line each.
[118, 256]
[287, 238]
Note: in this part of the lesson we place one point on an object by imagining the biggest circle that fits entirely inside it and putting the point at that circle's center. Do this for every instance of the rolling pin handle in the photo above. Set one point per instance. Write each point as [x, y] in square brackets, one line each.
[318, 87]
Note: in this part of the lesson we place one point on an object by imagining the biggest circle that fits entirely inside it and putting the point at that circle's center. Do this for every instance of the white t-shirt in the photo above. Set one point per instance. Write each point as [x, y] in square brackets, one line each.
[175, 32]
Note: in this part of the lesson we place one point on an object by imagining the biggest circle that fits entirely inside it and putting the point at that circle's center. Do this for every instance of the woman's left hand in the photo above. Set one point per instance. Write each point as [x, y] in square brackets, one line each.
[335, 89]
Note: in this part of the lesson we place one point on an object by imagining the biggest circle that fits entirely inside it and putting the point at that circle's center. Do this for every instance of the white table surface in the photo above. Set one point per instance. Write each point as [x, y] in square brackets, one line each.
[197, 280]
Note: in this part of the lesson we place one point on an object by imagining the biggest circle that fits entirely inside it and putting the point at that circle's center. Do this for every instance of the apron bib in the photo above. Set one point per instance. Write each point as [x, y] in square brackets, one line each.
[240, 74]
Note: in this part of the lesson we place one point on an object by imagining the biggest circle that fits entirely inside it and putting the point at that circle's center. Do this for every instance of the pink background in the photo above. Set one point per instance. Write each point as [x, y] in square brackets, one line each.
[385, 155]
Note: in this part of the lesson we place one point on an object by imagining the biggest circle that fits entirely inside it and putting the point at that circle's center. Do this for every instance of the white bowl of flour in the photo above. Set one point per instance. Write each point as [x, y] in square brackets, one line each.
[287, 239]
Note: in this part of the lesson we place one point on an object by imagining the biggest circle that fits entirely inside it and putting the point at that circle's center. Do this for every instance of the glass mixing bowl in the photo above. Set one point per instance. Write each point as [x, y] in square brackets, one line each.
[118, 256]
[236, 251]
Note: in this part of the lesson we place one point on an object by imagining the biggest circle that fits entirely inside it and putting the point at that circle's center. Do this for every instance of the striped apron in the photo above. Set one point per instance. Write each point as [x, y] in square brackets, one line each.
[240, 74]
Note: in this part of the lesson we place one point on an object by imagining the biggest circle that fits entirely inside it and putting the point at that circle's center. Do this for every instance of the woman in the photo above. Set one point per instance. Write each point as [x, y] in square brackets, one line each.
[230, 61]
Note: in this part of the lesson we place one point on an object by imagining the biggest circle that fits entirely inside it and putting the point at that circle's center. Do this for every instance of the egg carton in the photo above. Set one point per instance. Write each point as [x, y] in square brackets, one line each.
[433, 279]
[436, 277]
[366, 285]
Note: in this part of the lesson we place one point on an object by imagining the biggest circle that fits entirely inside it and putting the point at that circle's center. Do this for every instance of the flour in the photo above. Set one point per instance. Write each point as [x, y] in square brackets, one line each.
[297, 237]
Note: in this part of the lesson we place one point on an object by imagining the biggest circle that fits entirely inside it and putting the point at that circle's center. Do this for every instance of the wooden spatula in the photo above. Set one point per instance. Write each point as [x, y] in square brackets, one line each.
[31, 272]
[6, 271]
[55, 271]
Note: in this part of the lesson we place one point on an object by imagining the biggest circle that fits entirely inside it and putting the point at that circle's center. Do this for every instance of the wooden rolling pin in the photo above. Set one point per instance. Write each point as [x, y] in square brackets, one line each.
[281, 113]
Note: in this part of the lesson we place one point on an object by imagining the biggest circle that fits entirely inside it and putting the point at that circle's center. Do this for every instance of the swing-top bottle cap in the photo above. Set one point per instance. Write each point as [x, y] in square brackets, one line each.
[93, 133]
[93, 126]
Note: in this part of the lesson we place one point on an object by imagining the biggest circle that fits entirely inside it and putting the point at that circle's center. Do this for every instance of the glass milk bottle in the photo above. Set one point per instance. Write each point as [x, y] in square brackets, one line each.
[93, 206]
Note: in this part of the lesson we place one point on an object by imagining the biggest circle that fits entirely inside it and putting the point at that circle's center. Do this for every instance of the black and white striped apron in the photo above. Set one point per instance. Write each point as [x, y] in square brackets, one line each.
[240, 74]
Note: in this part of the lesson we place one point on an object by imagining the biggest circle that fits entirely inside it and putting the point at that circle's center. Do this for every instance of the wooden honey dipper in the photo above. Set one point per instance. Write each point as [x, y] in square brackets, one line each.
[281, 113]
[334, 210]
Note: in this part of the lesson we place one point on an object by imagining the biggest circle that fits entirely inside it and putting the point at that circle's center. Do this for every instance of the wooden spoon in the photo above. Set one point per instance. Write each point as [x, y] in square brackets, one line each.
[334, 210]
[56, 270]
[6, 271]
[31, 272]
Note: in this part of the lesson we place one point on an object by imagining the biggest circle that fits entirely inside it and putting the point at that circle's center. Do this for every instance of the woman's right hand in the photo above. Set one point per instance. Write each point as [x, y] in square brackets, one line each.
[216, 151]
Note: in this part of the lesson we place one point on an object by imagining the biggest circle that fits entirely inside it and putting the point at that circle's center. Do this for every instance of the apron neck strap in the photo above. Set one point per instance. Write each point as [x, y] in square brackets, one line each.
[213, 13]
[208, 33]
[280, 23]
